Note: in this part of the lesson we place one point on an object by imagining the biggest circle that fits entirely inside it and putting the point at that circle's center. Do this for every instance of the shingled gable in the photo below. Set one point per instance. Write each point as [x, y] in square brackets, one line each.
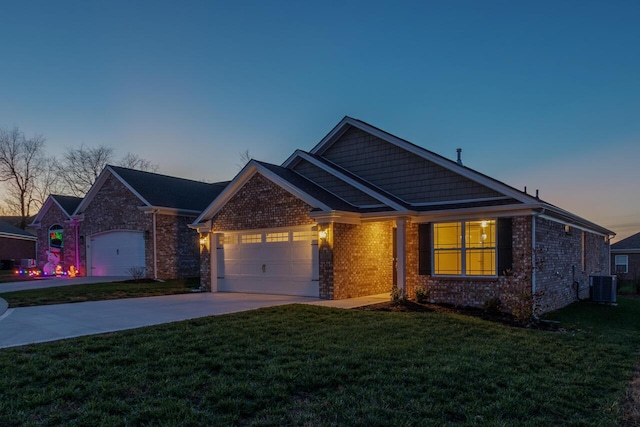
[449, 176]
[295, 184]
[158, 191]
[382, 159]
[630, 244]
[67, 204]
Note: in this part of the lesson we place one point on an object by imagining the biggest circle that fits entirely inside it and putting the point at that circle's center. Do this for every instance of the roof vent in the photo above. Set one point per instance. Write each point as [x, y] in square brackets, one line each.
[459, 151]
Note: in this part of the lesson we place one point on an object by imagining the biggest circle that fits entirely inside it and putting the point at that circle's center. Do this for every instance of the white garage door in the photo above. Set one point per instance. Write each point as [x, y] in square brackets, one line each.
[279, 261]
[116, 252]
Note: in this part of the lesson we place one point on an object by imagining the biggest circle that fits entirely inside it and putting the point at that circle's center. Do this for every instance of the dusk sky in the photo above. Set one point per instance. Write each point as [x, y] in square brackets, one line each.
[538, 93]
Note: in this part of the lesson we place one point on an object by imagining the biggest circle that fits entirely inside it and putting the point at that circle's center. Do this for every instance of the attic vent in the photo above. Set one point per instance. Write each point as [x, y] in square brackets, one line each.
[603, 288]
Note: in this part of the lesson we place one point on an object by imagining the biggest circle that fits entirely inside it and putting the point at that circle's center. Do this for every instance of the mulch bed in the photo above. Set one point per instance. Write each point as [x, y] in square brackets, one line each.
[504, 318]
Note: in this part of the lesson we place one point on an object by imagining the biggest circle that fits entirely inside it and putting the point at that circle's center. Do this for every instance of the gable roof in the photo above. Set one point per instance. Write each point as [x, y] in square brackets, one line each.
[156, 190]
[67, 205]
[630, 243]
[348, 122]
[10, 231]
[342, 174]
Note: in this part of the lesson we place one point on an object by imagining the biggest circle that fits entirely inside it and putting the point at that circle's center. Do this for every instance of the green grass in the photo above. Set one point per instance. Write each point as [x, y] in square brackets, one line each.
[10, 276]
[306, 365]
[97, 292]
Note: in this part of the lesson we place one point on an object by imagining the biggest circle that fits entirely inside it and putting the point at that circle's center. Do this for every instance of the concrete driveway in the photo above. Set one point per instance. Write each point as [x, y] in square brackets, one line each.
[28, 325]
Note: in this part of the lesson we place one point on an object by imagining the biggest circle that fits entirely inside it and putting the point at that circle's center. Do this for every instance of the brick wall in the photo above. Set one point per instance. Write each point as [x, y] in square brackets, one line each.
[55, 216]
[114, 207]
[261, 204]
[363, 259]
[205, 262]
[560, 262]
[470, 291]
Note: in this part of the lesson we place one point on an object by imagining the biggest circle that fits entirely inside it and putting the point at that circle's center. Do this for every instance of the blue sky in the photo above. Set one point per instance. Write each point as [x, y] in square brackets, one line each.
[540, 93]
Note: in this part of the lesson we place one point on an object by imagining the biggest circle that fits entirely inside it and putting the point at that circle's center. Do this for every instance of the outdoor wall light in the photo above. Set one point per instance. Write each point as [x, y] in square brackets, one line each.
[203, 241]
[322, 234]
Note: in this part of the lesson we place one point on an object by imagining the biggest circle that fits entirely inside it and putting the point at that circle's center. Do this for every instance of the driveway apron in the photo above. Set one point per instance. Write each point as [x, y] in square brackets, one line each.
[27, 325]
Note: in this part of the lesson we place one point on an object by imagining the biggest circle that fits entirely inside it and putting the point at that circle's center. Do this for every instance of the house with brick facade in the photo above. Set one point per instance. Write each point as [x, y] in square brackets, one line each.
[625, 258]
[128, 220]
[364, 211]
[57, 233]
[15, 244]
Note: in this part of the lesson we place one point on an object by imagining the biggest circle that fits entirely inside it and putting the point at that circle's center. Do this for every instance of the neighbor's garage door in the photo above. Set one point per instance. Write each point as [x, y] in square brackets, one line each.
[116, 252]
[280, 261]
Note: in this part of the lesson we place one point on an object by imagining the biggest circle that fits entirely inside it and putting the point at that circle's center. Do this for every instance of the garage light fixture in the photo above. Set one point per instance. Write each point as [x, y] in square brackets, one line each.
[322, 234]
[203, 241]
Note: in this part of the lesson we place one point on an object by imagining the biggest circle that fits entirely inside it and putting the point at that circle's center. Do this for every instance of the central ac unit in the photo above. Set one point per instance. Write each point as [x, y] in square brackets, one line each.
[603, 288]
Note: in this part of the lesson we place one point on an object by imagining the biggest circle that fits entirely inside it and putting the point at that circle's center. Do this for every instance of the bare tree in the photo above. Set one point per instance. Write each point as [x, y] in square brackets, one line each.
[133, 161]
[49, 182]
[22, 163]
[80, 167]
[245, 158]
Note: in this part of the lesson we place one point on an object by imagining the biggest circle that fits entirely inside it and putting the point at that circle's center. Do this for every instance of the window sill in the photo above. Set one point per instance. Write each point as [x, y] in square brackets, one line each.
[469, 278]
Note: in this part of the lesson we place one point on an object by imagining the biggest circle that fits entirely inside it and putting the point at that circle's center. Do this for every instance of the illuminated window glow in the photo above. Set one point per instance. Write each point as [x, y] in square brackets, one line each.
[472, 253]
[277, 237]
[305, 235]
[251, 238]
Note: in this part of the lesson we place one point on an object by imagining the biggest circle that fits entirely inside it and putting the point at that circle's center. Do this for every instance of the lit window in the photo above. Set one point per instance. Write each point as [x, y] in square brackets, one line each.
[251, 238]
[277, 237]
[229, 239]
[472, 253]
[622, 263]
[304, 235]
[447, 248]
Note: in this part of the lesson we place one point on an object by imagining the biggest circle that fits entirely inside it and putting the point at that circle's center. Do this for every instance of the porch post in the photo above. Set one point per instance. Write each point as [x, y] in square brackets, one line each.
[216, 252]
[401, 242]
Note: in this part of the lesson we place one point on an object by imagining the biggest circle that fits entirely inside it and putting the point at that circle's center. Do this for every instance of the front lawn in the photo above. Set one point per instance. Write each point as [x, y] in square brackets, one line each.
[97, 292]
[308, 365]
[10, 276]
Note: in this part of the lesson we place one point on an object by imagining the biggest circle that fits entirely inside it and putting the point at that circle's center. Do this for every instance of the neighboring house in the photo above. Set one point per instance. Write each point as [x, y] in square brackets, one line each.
[364, 210]
[625, 258]
[15, 245]
[130, 220]
[57, 233]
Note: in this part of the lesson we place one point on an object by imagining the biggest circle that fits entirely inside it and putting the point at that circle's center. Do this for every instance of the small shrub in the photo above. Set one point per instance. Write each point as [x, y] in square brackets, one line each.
[492, 306]
[422, 295]
[136, 273]
[398, 297]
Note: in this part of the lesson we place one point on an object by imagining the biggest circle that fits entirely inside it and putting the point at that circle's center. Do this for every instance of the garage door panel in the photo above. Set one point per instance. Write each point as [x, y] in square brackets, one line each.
[282, 286]
[266, 266]
[114, 253]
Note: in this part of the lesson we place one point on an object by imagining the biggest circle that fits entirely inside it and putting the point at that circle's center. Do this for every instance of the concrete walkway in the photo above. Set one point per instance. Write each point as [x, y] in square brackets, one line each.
[27, 325]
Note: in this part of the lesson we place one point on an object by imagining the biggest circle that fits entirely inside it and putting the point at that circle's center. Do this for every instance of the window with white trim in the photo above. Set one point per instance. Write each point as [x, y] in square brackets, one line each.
[465, 248]
[251, 238]
[622, 263]
[277, 237]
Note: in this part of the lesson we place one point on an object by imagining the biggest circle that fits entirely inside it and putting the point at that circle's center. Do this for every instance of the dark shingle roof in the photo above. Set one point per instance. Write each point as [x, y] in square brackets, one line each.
[68, 203]
[169, 191]
[312, 189]
[6, 228]
[631, 242]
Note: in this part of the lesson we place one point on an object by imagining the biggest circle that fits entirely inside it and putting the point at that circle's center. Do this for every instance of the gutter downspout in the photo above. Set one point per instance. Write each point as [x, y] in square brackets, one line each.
[533, 249]
[155, 247]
